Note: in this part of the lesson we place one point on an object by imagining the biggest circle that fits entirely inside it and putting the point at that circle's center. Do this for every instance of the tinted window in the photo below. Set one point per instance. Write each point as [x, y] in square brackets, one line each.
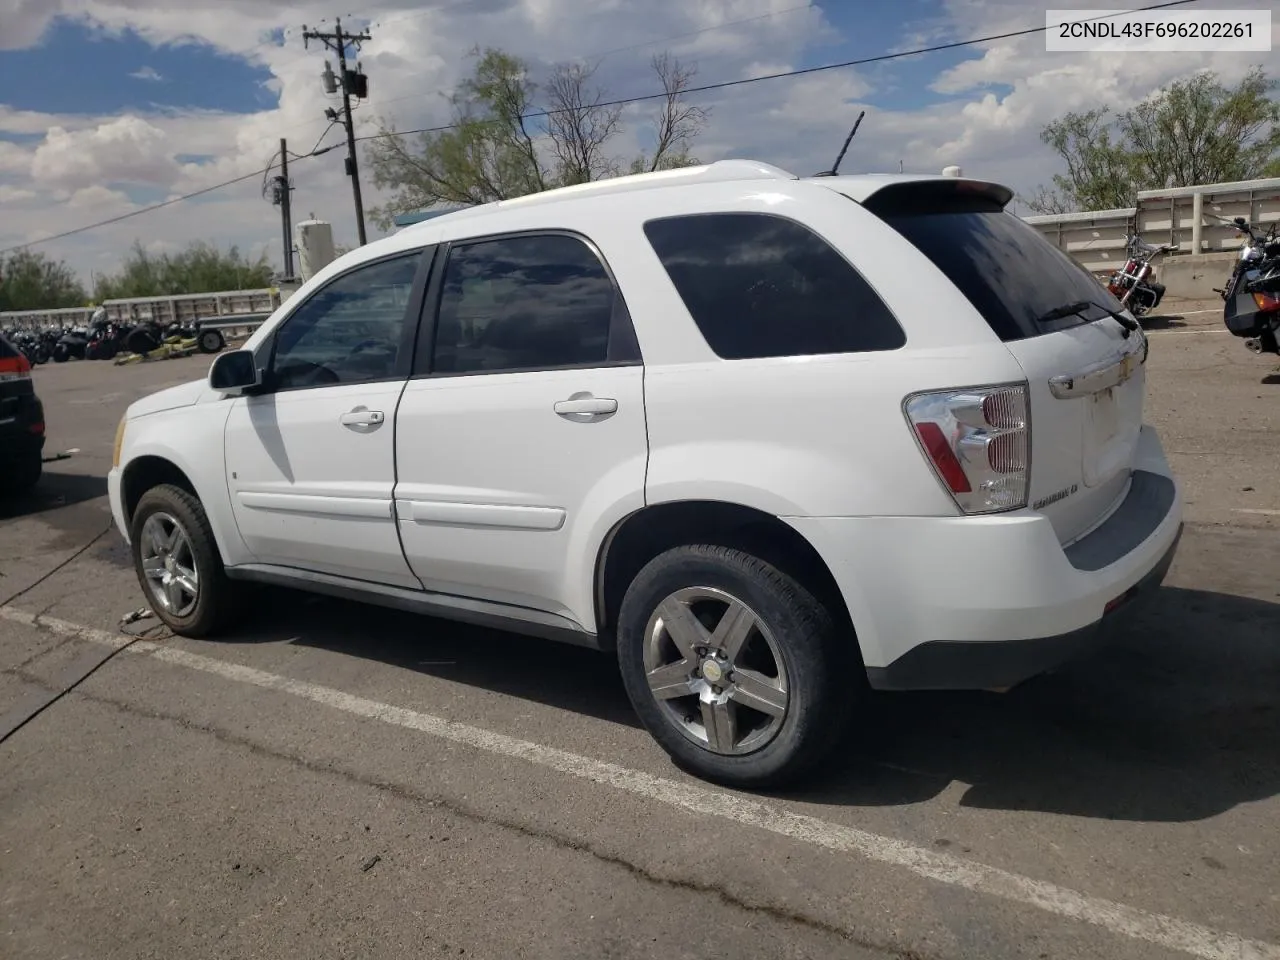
[349, 331]
[7, 349]
[762, 286]
[521, 303]
[1010, 273]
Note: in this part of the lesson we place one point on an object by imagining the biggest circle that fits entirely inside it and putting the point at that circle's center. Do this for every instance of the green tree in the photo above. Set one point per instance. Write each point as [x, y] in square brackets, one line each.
[496, 149]
[1194, 131]
[200, 268]
[34, 281]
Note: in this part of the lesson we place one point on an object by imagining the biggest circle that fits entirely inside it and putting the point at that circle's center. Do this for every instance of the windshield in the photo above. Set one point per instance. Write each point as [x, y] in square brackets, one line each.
[1017, 280]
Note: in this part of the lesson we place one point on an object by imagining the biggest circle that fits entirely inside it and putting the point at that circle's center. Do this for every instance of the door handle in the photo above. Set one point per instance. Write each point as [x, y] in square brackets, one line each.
[362, 418]
[584, 406]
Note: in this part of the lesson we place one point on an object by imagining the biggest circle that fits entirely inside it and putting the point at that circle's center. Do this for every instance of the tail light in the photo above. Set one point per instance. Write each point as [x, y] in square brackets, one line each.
[15, 368]
[978, 441]
[1266, 302]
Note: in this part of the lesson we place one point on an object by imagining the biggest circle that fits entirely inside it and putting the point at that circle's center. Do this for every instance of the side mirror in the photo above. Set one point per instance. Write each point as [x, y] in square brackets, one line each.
[233, 372]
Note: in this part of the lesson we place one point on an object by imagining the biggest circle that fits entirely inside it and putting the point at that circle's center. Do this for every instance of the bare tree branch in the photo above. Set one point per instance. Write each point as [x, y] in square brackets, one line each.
[578, 126]
[678, 122]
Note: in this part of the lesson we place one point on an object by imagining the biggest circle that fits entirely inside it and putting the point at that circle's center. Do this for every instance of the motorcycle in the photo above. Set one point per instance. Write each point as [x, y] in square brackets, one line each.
[1257, 249]
[1251, 308]
[106, 338]
[71, 345]
[1134, 284]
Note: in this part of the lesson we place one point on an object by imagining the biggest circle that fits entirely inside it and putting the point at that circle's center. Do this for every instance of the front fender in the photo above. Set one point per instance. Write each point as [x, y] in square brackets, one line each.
[191, 438]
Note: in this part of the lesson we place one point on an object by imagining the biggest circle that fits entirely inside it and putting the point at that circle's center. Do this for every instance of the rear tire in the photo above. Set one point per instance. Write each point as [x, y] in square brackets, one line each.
[23, 475]
[806, 702]
[181, 574]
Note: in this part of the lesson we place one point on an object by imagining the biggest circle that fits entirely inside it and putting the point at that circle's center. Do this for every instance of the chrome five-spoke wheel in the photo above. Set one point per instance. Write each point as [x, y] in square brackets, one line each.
[169, 565]
[715, 670]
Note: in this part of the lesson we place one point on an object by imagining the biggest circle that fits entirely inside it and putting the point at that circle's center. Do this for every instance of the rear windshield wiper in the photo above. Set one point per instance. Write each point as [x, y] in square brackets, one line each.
[1067, 309]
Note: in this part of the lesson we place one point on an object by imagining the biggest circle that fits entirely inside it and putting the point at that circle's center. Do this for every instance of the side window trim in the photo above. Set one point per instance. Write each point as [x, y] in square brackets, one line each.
[426, 257]
[621, 326]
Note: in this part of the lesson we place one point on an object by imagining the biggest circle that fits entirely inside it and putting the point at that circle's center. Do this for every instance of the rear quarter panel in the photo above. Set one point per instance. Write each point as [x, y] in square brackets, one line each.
[807, 436]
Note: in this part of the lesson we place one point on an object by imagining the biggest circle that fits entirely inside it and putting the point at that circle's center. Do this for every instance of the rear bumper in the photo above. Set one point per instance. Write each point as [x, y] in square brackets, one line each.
[983, 602]
[962, 665]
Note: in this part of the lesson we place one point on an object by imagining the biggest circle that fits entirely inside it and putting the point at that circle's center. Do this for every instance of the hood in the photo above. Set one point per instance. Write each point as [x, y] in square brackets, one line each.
[182, 395]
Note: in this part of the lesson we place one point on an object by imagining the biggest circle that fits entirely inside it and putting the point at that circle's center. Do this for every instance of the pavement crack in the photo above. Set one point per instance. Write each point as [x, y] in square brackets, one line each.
[439, 801]
[18, 669]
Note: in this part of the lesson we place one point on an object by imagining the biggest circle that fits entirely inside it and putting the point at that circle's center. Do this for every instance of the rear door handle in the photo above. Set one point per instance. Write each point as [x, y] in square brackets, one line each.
[583, 406]
[362, 418]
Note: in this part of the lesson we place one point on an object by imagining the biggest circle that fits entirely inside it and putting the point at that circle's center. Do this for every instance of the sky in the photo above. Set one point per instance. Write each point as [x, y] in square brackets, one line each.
[107, 106]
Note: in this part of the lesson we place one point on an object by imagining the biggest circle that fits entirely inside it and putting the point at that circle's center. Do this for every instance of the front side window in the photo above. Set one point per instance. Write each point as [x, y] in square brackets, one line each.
[350, 331]
[764, 286]
[524, 303]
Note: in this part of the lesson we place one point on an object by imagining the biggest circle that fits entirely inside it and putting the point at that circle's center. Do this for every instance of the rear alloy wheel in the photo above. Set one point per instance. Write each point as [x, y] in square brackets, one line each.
[735, 668]
[178, 564]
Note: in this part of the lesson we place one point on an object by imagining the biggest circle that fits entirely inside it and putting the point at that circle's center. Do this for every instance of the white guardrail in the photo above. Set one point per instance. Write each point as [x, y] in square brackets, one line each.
[1195, 219]
[228, 310]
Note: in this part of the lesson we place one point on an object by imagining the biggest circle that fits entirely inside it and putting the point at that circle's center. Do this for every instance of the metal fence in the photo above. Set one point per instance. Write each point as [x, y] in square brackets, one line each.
[1195, 219]
[229, 308]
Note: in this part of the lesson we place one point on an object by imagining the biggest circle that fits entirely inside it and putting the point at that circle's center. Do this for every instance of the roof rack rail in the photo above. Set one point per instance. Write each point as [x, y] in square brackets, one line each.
[719, 172]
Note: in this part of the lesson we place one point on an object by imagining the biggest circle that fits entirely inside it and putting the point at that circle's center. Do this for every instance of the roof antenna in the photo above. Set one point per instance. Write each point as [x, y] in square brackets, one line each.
[843, 150]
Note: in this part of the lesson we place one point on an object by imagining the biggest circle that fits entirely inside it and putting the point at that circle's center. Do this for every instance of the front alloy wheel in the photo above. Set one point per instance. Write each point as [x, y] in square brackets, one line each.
[169, 565]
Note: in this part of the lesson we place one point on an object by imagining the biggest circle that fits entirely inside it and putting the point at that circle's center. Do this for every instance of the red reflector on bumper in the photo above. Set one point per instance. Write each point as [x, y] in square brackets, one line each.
[37, 427]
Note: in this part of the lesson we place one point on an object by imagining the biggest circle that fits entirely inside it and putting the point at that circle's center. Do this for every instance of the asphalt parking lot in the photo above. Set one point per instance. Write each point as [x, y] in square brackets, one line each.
[342, 781]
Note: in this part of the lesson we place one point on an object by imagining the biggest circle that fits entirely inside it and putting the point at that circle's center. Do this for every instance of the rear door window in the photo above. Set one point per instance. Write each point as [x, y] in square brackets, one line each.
[1012, 275]
[764, 286]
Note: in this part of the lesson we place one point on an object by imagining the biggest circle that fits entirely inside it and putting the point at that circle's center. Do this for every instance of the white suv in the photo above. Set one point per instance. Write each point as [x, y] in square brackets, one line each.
[763, 436]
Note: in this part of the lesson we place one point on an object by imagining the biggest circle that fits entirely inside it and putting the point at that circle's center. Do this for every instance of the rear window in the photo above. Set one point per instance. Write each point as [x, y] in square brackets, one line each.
[1013, 276]
[764, 286]
[7, 350]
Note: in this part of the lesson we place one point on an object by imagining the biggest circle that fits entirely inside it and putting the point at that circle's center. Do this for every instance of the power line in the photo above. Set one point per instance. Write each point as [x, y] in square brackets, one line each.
[804, 71]
[611, 103]
[139, 212]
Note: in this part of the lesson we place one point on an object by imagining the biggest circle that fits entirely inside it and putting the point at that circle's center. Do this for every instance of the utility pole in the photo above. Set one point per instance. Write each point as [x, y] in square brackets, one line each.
[352, 83]
[286, 210]
[281, 188]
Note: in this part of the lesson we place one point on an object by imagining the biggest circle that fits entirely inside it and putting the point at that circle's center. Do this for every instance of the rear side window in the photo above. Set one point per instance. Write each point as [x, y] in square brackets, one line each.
[764, 286]
[1011, 274]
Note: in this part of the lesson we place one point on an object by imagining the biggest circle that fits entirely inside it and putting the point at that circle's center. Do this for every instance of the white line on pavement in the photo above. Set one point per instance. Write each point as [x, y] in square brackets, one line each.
[1260, 511]
[1183, 333]
[1169, 932]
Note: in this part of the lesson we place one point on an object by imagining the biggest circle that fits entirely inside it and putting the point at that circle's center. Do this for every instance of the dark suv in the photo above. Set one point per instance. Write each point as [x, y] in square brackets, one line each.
[21, 422]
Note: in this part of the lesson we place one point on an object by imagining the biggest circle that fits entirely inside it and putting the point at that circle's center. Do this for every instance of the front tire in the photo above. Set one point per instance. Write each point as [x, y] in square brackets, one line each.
[178, 565]
[734, 667]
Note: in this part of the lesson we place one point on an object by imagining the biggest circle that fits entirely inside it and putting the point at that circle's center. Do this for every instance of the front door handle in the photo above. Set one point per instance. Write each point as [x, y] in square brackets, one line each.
[582, 407]
[361, 417]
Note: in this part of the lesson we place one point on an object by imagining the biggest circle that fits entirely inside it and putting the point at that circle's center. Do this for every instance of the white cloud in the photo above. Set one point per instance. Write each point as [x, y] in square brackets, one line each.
[147, 73]
[10, 194]
[125, 150]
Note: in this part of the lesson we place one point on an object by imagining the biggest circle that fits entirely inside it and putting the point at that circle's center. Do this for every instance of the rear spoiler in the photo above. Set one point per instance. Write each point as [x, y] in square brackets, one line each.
[944, 195]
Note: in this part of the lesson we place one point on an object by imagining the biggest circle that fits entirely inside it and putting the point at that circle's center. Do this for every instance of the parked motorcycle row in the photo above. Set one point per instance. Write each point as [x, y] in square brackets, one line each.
[107, 340]
[1251, 308]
